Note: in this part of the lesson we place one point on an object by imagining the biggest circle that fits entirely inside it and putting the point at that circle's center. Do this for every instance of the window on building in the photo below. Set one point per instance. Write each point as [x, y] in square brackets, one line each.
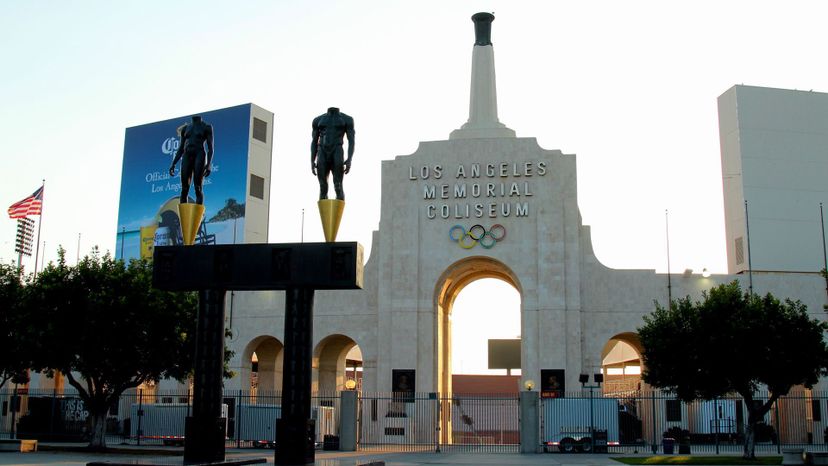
[259, 130]
[257, 186]
[672, 410]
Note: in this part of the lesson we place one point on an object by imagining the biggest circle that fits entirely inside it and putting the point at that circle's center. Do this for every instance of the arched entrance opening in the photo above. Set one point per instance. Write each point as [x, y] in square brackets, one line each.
[262, 362]
[621, 364]
[456, 277]
[336, 359]
[486, 312]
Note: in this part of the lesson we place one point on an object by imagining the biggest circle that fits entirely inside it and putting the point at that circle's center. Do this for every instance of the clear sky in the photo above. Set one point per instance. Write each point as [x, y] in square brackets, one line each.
[630, 87]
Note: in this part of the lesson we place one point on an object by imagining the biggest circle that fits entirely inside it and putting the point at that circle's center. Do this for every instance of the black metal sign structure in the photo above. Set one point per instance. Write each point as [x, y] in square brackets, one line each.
[297, 268]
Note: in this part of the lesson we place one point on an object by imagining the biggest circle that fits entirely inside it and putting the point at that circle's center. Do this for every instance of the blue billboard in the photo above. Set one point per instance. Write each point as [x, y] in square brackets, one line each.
[148, 209]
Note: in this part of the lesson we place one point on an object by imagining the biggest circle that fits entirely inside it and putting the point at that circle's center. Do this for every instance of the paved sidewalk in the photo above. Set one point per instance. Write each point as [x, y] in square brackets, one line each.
[323, 458]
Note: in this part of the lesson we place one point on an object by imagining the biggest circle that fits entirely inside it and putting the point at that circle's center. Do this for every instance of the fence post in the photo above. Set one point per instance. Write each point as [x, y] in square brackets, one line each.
[237, 430]
[778, 428]
[716, 420]
[437, 428]
[348, 407]
[52, 413]
[138, 431]
[13, 402]
[529, 422]
[655, 438]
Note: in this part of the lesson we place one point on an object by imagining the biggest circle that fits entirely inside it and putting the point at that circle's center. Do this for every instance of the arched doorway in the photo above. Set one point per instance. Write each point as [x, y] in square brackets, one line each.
[335, 359]
[455, 278]
[621, 364]
[486, 312]
[262, 362]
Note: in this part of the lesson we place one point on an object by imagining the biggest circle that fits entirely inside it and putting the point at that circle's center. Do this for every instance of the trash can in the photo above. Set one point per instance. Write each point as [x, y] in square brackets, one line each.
[599, 441]
[668, 444]
[330, 442]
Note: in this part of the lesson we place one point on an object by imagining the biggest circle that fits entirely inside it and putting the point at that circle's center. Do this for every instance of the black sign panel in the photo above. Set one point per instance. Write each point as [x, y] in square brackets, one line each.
[320, 266]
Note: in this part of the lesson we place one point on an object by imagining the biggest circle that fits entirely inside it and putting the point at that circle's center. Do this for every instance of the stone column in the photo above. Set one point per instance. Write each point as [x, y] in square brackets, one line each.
[348, 414]
[529, 422]
[483, 121]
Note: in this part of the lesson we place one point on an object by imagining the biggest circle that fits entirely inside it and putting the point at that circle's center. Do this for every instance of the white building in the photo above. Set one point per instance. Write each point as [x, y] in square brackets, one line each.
[774, 156]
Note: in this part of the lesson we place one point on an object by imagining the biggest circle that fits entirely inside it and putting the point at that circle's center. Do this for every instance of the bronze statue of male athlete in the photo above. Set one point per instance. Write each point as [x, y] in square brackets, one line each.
[327, 152]
[194, 165]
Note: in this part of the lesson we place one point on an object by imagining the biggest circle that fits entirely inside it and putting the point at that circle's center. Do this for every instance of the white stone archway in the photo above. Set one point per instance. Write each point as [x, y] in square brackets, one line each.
[622, 363]
[270, 356]
[456, 277]
[329, 366]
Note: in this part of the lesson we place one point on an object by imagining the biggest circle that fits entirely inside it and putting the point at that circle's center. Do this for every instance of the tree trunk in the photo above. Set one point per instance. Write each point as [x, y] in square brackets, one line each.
[750, 426]
[750, 437]
[98, 439]
[756, 415]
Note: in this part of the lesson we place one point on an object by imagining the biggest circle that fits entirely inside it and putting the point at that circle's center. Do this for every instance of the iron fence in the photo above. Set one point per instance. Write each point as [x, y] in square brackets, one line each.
[436, 422]
[655, 421]
[622, 421]
[151, 417]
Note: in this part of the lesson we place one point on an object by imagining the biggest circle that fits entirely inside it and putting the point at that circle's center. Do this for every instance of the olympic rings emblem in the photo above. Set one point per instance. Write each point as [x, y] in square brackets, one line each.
[477, 234]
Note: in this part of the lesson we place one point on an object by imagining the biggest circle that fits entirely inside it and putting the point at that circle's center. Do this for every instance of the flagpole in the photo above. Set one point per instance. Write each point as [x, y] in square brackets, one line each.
[39, 224]
[750, 264]
[824, 253]
[669, 284]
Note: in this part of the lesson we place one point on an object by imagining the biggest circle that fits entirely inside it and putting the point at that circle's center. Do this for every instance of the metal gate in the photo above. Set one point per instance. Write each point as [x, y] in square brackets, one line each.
[436, 422]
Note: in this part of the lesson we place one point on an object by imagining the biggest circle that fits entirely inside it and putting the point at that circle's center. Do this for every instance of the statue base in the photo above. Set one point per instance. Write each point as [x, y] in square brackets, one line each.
[190, 216]
[330, 212]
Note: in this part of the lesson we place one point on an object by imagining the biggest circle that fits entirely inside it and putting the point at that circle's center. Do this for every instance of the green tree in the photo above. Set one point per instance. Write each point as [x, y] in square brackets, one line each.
[107, 330]
[732, 341]
[14, 347]
[232, 209]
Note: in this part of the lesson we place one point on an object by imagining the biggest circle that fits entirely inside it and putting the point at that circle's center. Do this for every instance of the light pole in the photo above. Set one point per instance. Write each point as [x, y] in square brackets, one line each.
[598, 378]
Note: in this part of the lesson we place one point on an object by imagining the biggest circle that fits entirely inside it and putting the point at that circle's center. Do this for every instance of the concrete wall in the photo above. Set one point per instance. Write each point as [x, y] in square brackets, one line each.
[571, 304]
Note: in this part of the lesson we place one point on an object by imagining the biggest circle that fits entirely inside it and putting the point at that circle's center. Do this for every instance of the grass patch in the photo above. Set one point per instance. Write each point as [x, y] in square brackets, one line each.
[702, 460]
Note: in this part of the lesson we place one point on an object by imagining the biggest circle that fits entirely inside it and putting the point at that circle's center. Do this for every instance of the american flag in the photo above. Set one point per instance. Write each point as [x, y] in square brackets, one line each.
[29, 206]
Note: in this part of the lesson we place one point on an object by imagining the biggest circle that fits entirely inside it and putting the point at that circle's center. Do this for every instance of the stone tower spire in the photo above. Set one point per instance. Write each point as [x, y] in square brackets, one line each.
[483, 121]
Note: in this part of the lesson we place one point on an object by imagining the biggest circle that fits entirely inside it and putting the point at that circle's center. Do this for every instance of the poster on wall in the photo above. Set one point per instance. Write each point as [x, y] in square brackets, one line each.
[402, 383]
[553, 383]
[148, 208]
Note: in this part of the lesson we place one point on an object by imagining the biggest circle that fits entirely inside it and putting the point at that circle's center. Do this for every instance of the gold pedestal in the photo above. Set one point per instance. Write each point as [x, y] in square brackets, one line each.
[330, 212]
[190, 216]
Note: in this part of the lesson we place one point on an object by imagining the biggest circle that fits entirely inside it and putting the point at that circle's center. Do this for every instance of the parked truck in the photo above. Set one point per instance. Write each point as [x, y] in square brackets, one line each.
[161, 421]
[580, 424]
[257, 423]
